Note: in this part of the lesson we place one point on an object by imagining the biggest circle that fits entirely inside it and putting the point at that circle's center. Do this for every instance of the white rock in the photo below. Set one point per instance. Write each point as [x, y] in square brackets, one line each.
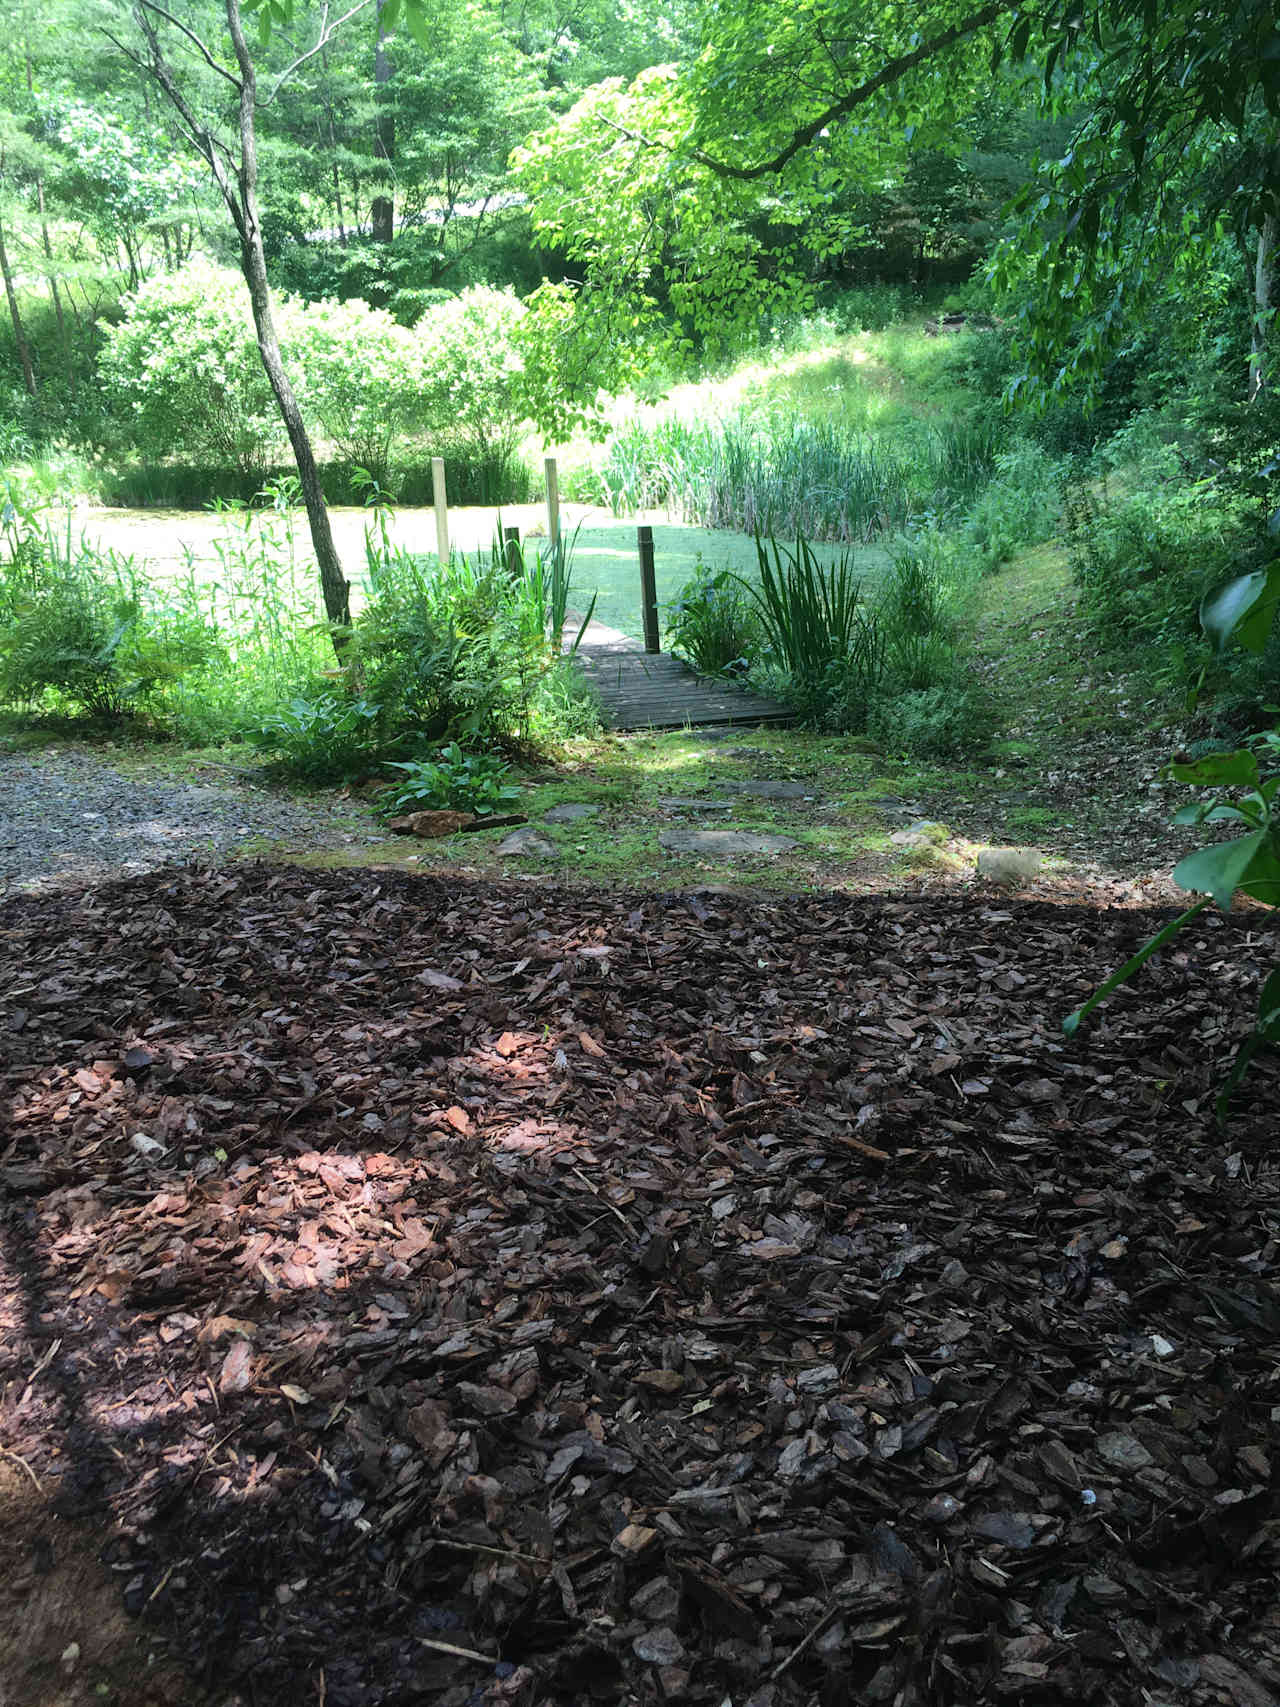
[1010, 866]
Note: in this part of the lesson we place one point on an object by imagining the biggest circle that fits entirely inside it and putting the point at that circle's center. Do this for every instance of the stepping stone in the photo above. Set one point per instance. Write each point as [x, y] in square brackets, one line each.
[528, 841]
[723, 842]
[767, 790]
[675, 804]
[572, 812]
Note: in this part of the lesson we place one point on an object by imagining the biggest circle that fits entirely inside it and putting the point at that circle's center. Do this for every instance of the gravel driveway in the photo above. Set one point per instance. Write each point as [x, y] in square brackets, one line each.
[67, 818]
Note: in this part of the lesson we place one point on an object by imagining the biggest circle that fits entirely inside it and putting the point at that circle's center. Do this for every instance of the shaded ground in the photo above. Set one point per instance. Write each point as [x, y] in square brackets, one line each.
[464, 1293]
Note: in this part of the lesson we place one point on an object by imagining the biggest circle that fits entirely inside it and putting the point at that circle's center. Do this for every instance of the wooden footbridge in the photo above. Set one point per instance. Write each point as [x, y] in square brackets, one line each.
[653, 690]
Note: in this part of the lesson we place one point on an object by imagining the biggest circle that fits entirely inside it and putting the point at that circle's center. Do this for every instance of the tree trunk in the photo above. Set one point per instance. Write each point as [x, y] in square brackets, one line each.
[384, 137]
[15, 314]
[333, 150]
[50, 279]
[1263, 282]
[253, 261]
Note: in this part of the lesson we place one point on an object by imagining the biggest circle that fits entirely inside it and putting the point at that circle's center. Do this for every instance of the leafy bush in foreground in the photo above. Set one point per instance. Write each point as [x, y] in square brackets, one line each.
[325, 739]
[83, 631]
[713, 623]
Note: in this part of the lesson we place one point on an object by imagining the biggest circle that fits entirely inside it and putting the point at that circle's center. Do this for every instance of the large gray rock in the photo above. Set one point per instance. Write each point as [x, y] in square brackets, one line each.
[677, 803]
[723, 842]
[530, 843]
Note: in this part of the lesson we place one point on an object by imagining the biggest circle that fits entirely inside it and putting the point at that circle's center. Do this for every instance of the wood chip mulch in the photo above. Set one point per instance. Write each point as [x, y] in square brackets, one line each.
[484, 1294]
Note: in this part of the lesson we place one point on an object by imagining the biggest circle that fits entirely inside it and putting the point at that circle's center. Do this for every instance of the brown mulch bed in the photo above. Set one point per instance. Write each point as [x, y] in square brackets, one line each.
[469, 1294]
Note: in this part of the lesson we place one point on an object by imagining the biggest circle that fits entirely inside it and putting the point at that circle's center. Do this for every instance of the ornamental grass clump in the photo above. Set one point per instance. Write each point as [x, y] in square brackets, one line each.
[824, 645]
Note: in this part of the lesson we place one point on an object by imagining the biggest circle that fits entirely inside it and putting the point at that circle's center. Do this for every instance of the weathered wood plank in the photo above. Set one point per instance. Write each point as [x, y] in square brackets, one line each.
[639, 690]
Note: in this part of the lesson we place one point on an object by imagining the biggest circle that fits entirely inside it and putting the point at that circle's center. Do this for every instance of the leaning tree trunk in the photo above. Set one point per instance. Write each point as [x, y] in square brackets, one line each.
[253, 261]
[1263, 282]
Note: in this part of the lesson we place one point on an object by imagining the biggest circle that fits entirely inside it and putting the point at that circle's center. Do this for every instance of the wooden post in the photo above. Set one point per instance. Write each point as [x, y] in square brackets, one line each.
[553, 501]
[648, 589]
[442, 510]
[511, 543]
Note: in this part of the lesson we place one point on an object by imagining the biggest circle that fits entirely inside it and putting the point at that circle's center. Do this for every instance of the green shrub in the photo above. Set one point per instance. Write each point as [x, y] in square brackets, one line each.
[1019, 506]
[462, 782]
[474, 392]
[471, 649]
[912, 613]
[326, 739]
[360, 379]
[868, 307]
[1145, 561]
[933, 723]
[77, 636]
[712, 622]
[184, 364]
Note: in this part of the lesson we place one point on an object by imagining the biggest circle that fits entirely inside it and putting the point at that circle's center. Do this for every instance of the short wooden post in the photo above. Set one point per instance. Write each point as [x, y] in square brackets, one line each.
[442, 510]
[511, 550]
[648, 588]
[553, 501]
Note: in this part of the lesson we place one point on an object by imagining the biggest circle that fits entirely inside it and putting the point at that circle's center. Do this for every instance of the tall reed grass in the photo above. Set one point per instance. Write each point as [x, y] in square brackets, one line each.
[798, 478]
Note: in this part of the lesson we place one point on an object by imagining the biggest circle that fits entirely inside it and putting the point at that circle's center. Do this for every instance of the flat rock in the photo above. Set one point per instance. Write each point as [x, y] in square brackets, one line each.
[891, 803]
[676, 803]
[723, 842]
[767, 789]
[572, 812]
[529, 842]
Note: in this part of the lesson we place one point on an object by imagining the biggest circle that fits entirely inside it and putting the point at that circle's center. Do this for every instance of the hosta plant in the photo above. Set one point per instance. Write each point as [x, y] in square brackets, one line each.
[462, 782]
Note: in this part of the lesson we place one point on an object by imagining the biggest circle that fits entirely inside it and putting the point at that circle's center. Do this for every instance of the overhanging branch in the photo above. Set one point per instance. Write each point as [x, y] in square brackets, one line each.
[889, 73]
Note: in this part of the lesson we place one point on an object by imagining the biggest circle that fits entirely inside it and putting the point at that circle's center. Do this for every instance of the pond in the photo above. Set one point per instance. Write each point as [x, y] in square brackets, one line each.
[604, 556]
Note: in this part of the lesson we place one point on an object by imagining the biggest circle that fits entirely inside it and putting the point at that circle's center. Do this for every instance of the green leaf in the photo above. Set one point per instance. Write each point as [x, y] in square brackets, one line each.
[1262, 880]
[416, 22]
[1218, 871]
[1243, 610]
[388, 16]
[1269, 1008]
[1266, 1032]
[1072, 1022]
[1218, 770]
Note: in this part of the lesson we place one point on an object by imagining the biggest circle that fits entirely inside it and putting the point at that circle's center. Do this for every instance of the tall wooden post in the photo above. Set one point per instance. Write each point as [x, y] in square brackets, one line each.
[648, 588]
[442, 510]
[512, 552]
[553, 501]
